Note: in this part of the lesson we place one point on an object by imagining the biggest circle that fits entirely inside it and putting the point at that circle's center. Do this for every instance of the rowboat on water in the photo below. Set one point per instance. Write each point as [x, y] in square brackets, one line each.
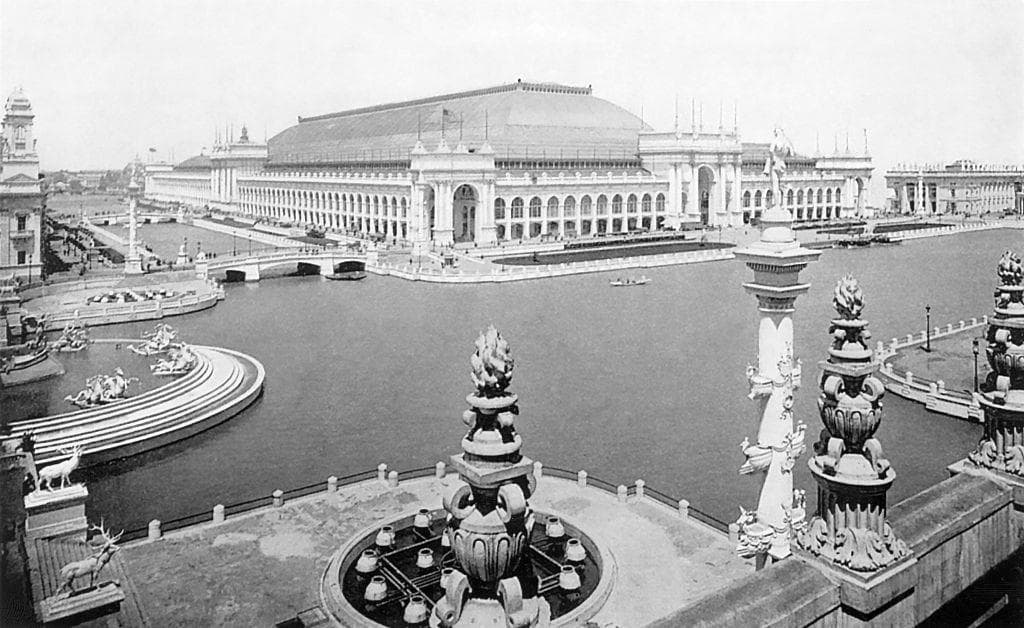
[619, 283]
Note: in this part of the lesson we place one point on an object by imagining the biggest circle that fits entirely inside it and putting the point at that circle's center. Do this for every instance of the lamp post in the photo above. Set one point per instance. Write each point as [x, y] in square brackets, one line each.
[928, 328]
[974, 344]
[30, 269]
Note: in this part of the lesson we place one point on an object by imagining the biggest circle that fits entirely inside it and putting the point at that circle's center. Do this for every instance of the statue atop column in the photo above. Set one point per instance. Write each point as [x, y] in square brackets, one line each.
[853, 477]
[775, 166]
[489, 517]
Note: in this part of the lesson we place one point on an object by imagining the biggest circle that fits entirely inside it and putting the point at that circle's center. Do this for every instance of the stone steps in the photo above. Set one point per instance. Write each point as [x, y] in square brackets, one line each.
[223, 379]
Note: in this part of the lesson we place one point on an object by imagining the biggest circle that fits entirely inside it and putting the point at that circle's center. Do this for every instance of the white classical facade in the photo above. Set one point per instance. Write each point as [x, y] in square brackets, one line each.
[962, 187]
[512, 162]
[22, 201]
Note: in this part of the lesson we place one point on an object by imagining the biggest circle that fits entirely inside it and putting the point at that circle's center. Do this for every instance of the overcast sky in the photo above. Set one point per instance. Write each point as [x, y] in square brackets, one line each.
[931, 81]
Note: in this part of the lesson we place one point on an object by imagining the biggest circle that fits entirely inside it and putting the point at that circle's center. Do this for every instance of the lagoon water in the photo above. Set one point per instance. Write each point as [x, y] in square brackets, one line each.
[640, 383]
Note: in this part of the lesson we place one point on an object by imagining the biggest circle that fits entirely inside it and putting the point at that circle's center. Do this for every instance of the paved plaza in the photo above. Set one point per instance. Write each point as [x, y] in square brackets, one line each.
[950, 360]
[264, 567]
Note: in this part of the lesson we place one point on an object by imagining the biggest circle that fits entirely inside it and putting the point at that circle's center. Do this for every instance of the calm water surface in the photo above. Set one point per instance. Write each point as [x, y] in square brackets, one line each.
[641, 383]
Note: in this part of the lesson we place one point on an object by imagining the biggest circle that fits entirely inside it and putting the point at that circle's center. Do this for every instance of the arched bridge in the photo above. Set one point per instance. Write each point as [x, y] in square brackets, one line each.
[325, 261]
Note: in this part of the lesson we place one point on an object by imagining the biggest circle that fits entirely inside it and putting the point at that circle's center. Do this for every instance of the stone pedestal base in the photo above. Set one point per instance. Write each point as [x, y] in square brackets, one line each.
[54, 513]
[486, 612]
[133, 265]
[101, 599]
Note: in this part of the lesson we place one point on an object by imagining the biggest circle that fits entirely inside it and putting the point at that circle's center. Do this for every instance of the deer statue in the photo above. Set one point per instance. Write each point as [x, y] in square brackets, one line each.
[92, 565]
[60, 470]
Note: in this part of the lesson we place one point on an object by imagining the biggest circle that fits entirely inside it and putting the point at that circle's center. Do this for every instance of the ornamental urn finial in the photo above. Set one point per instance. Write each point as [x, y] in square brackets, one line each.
[848, 298]
[852, 474]
[492, 364]
[1009, 269]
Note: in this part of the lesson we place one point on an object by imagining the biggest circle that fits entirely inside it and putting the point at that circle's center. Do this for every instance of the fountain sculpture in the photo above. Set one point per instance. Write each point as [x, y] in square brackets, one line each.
[849, 528]
[103, 389]
[159, 340]
[180, 360]
[1002, 398]
[776, 259]
[73, 338]
[490, 520]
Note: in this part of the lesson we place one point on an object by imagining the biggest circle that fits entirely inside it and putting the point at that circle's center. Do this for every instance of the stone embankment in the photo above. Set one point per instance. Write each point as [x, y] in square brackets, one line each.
[65, 302]
[962, 404]
[521, 273]
[222, 384]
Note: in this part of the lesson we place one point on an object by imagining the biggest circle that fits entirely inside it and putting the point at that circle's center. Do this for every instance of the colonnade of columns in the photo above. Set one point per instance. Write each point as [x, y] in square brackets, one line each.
[812, 203]
[381, 213]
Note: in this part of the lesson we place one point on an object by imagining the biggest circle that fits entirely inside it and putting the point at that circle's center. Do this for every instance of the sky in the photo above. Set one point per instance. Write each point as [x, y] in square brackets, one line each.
[931, 81]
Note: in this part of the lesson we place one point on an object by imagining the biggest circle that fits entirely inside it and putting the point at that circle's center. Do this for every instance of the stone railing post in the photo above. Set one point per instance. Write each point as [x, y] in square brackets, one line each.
[581, 479]
[154, 530]
[640, 488]
[538, 470]
[382, 472]
[909, 376]
[622, 493]
[734, 533]
[440, 469]
[684, 508]
[393, 479]
[218, 513]
[332, 484]
[278, 496]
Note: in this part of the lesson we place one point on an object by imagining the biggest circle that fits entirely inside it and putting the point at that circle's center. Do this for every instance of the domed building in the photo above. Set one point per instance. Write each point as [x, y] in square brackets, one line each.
[516, 161]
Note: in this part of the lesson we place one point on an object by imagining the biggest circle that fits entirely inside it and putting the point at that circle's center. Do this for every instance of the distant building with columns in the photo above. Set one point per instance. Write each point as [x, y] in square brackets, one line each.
[962, 187]
[22, 200]
[521, 160]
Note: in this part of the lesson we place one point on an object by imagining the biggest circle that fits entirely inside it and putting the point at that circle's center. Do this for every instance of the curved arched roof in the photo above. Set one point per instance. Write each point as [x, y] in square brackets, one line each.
[519, 120]
[197, 162]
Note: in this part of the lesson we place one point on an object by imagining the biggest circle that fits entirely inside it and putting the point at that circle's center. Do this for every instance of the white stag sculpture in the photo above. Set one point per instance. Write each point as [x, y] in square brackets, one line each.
[92, 565]
[60, 470]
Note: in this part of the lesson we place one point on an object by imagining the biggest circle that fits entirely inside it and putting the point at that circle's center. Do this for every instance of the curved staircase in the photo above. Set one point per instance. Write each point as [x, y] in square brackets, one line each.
[222, 384]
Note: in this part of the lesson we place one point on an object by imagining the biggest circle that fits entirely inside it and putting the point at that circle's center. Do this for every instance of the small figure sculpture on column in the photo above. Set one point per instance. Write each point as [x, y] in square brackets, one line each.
[850, 527]
[489, 520]
[1002, 394]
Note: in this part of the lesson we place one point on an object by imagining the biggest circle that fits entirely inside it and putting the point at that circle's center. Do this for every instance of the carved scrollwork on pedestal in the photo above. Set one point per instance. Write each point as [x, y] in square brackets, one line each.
[859, 549]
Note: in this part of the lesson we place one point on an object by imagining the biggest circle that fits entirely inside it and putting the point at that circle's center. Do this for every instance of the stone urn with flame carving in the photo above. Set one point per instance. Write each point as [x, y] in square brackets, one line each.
[489, 520]
[853, 477]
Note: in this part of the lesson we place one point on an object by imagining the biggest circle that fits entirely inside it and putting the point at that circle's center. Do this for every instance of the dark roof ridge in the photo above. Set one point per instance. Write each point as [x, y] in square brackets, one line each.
[554, 88]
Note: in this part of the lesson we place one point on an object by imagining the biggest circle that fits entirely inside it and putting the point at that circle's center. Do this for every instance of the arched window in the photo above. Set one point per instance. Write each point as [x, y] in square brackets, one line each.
[789, 198]
[746, 198]
[769, 196]
[517, 208]
[631, 204]
[828, 196]
[569, 206]
[616, 204]
[757, 198]
[839, 196]
[499, 209]
[585, 205]
[819, 196]
[602, 205]
[535, 207]
[645, 204]
[659, 203]
[799, 197]
[553, 207]
[405, 209]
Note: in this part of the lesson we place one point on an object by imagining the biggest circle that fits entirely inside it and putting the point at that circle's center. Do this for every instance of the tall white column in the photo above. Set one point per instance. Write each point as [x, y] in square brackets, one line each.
[776, 259]
[692, 209]
[673, 216]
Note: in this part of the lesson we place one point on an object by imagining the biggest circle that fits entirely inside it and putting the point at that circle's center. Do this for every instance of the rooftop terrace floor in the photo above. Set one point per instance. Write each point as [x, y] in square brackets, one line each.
[265, 566]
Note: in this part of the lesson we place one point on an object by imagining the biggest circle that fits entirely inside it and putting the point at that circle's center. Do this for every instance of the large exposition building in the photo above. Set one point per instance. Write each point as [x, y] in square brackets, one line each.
[962, 187]
[521, 160]
[22, 200]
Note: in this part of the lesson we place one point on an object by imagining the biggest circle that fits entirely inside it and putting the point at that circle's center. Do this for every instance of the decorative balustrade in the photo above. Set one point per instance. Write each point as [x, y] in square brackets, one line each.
[221, 512]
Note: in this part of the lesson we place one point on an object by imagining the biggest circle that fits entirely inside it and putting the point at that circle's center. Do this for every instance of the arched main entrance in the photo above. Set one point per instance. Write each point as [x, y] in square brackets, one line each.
[464, 214]
[705, 193]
